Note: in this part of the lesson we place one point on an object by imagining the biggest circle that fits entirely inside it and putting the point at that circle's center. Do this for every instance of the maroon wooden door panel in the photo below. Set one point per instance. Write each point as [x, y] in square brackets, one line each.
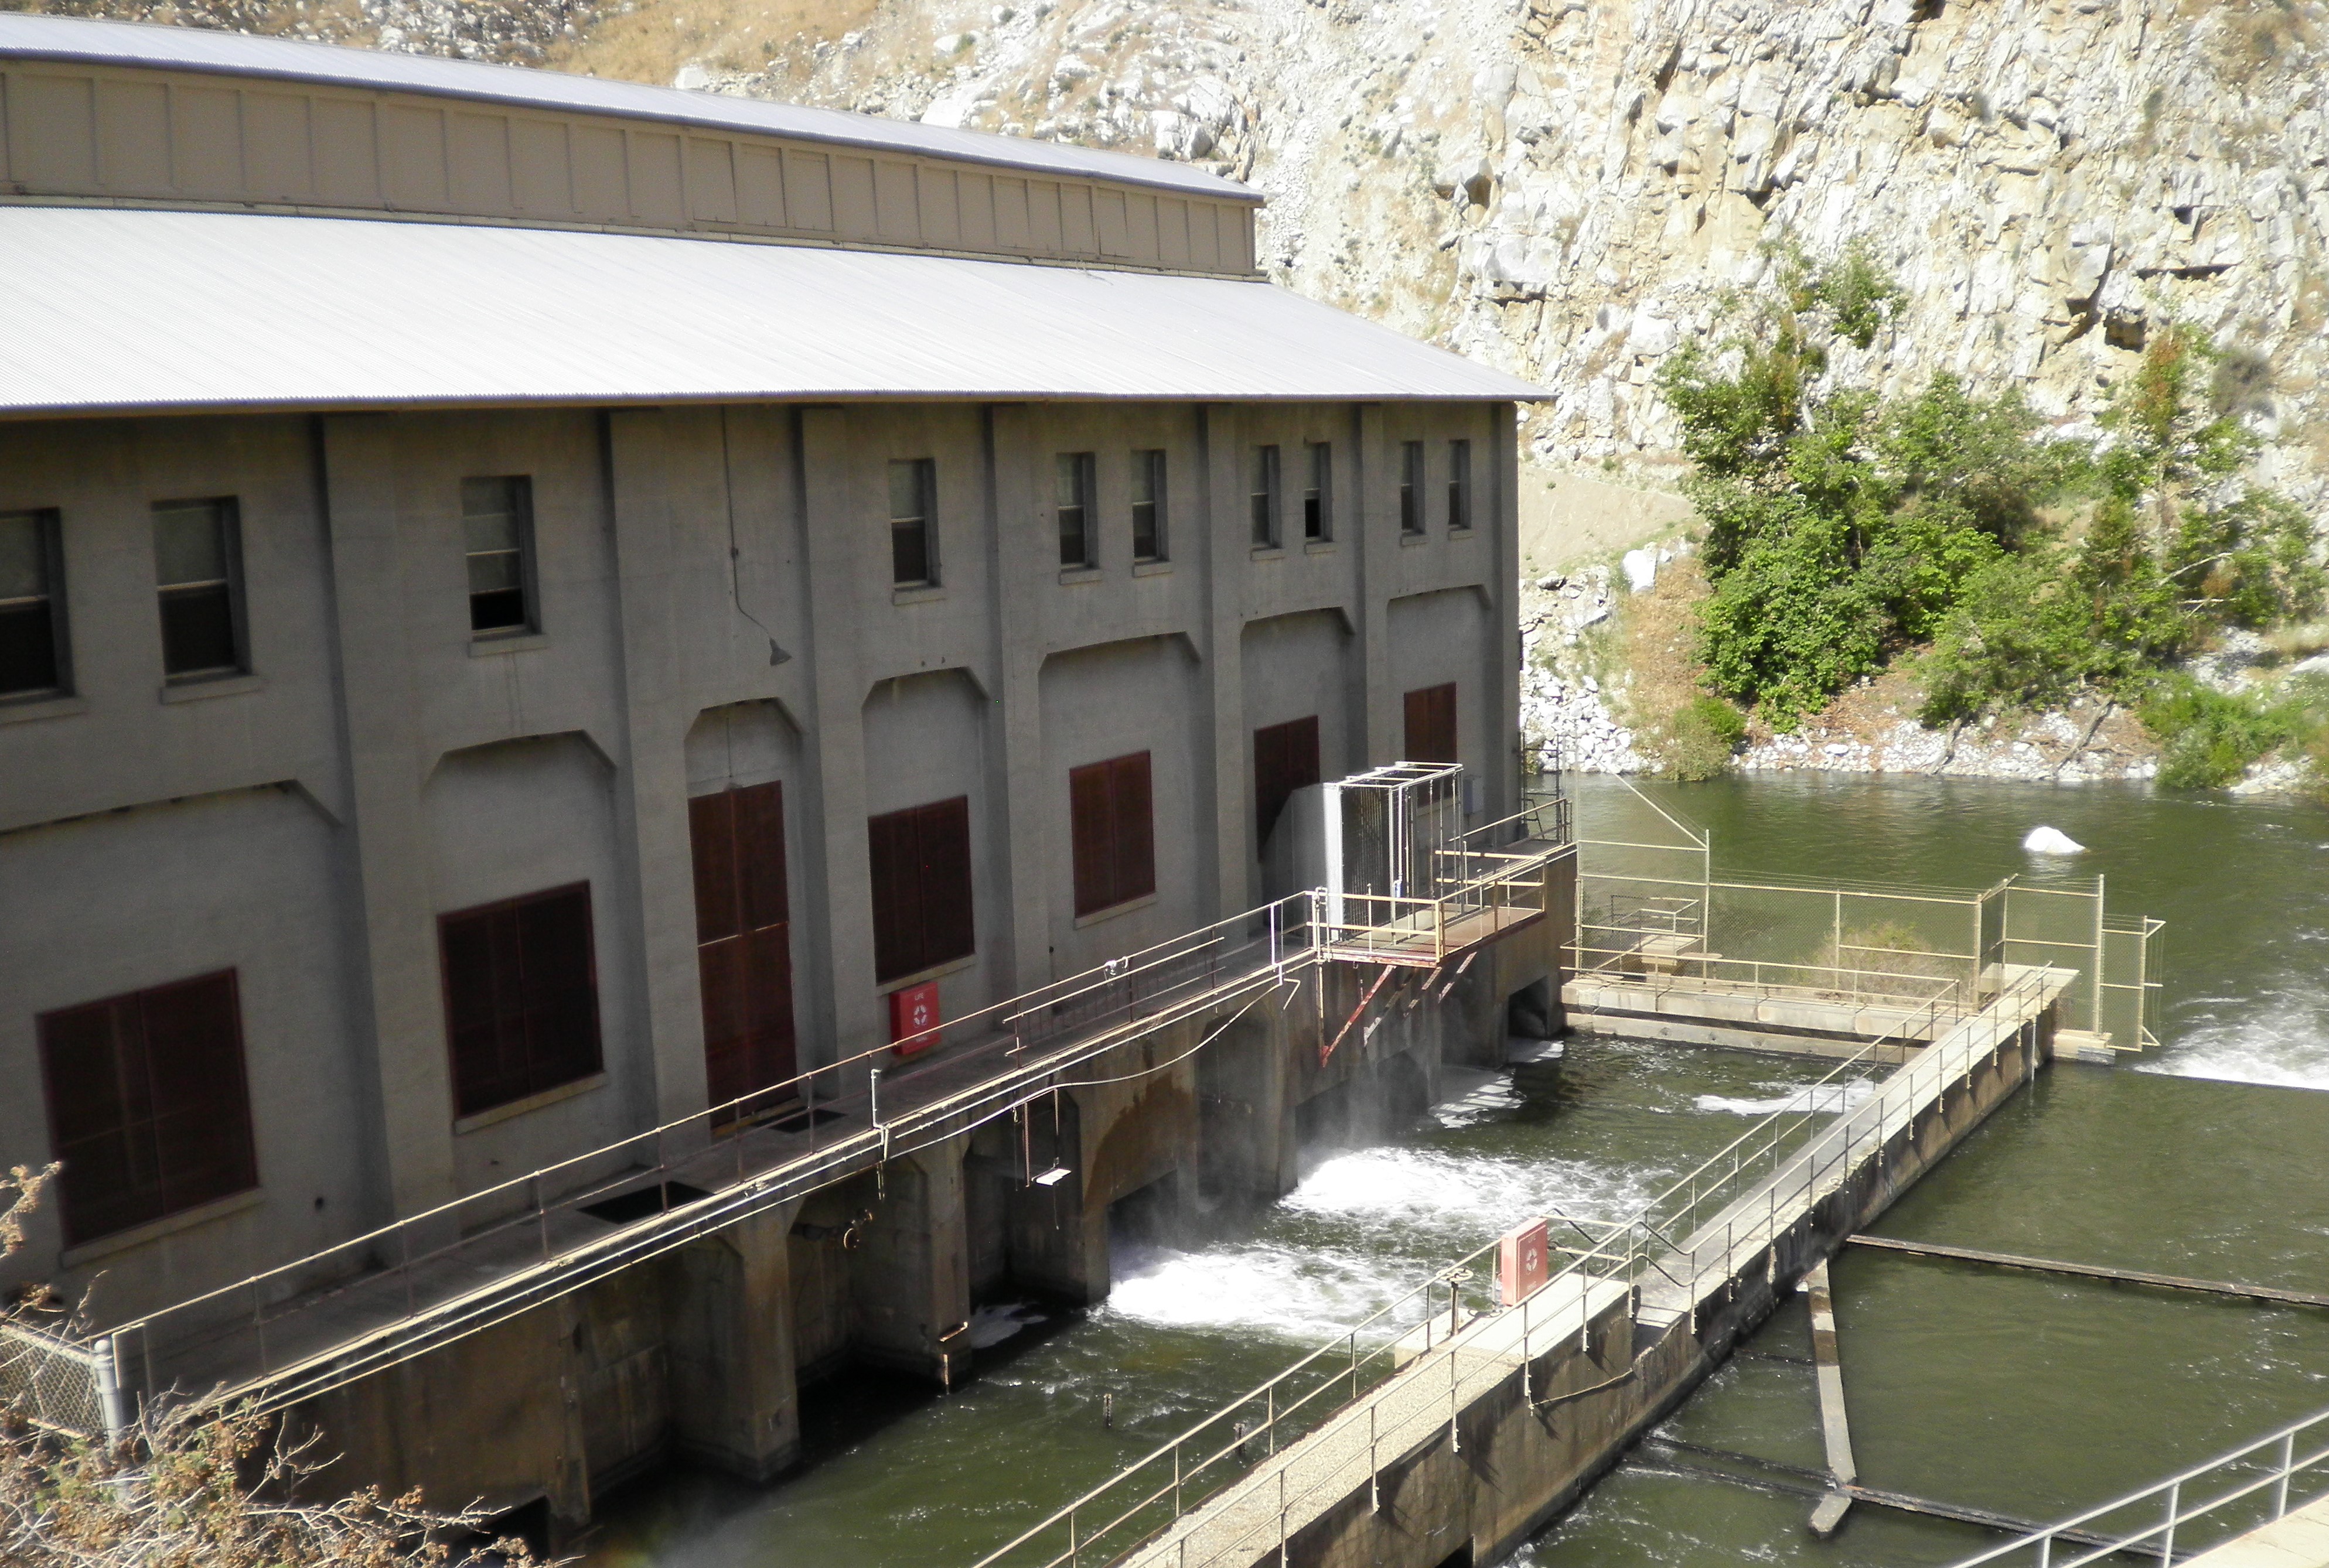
[521, 997]
[1113, 832]
[1285, 759]
[920, 865]
[148, 1107]
[1431, 725]
[743, 932]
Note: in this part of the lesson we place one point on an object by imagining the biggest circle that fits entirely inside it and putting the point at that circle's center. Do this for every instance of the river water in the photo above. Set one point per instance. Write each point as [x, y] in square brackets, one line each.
[2026, 1395]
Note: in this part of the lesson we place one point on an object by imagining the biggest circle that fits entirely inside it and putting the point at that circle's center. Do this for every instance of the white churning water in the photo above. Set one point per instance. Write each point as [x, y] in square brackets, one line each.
[1821, 1099]
[2278, 1036]
[1357, 1234]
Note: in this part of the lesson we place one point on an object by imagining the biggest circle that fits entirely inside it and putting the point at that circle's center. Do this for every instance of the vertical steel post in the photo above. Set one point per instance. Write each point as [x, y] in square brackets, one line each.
[2280, 1484]
[1374, 1469]
[112, 1408]
[2174, 1511]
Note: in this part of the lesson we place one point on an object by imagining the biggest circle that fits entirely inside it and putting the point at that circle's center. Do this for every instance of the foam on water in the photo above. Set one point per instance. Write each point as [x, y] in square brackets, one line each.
[2280, 1037]
[1300, 1292]
[1821, 1099]
[1477, 1194]
[1440, 1202]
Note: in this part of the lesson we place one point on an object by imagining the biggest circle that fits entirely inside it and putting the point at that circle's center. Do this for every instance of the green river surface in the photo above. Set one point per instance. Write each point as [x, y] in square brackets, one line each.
[2023, 1394]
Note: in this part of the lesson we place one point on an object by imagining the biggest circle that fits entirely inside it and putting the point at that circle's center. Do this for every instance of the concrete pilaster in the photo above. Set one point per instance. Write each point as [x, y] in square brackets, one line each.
[733, 1400]
[1225, 886]
[1501, 791]
[910, 1278]
[837, 737]
[1377, 518]
[403, 1028]
[651, 487]
[1021, 567]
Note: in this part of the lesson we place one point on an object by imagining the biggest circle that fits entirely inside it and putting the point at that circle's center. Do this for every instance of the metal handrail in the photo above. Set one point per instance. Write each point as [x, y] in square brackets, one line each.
[1628, 1250]
[585, 1177]
[1239, 1550]
[1085, 1013]
[2283, 1467]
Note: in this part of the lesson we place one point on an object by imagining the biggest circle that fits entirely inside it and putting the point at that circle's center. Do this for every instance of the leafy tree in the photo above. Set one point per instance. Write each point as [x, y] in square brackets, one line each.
[1843, 529]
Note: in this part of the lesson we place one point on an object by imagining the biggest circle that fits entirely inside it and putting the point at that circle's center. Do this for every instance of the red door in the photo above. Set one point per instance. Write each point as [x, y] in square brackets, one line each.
[743, 953]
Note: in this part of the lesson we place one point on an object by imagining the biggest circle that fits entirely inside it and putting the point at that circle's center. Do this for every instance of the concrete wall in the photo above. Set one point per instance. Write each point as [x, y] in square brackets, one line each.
[308, 822]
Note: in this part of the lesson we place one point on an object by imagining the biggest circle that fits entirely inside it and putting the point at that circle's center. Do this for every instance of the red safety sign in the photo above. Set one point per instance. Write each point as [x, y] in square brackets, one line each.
[914, 1018]
[1523, 1262]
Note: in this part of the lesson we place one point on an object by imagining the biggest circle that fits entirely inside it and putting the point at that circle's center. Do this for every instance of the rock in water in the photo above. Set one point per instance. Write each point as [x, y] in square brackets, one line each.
[1641, 570]
[2053, 841]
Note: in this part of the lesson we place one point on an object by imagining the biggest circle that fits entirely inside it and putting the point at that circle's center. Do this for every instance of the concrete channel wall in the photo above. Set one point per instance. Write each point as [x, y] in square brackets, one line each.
[702, 1353]
[1485, 1439]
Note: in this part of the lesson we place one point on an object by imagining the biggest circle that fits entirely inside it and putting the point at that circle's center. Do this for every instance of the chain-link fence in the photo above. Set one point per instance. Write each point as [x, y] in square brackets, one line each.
[1649, 903]
[55, 1383]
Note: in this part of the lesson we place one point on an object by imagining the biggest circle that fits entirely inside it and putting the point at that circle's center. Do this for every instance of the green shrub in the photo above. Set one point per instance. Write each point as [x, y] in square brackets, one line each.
[2209, 737]
[1700, 738]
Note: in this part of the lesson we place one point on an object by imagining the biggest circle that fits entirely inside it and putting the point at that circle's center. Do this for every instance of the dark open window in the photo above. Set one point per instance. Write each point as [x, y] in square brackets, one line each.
[521, 997]
[1411, 487]
[148, 1108]
[921, 888]
[1431, 725]
[1459, 486]
[1318, 494]
[1148, 505]
[1114, 834]
[198, 571]
[1285, 759]
[743, 937]
[498, 519]
[1262, 496]
[1072, 486]
[31, 608]
[913, 522]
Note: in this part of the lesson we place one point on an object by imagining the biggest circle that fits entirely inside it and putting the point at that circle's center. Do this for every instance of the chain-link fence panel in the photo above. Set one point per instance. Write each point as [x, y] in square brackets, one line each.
[54, 1383]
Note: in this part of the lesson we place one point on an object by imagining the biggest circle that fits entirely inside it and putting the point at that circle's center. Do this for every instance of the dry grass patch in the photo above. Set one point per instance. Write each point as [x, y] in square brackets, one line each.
[651, 43]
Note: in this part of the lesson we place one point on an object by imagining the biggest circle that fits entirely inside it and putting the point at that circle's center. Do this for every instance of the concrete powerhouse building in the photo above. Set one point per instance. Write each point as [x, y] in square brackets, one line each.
[530, 607]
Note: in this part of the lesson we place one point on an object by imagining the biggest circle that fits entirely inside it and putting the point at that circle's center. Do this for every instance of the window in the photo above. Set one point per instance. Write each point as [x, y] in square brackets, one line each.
[1073, 483]
[1114, 836]
[1285, 759]
[1411, 487]
[147, 1104]
[1264, 497]
[744, 939]
[521, 997]
[1431, 724]
[913, 523]
[1459, 486]
[32, 618]
[921, 888]
[1318, 495]
[1148, 506]
[498, 517]
[198, 569]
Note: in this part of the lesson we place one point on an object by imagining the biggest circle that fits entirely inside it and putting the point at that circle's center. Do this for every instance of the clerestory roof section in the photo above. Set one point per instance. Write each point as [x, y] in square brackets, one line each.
[88, 42]
[124, 310]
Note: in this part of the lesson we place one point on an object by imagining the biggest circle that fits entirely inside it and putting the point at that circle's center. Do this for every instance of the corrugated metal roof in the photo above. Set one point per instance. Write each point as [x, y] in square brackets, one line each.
[92, 43]
[112, 308]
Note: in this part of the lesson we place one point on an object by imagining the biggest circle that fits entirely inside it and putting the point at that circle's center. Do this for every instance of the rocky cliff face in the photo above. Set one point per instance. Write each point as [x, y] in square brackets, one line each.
[1567, 189]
